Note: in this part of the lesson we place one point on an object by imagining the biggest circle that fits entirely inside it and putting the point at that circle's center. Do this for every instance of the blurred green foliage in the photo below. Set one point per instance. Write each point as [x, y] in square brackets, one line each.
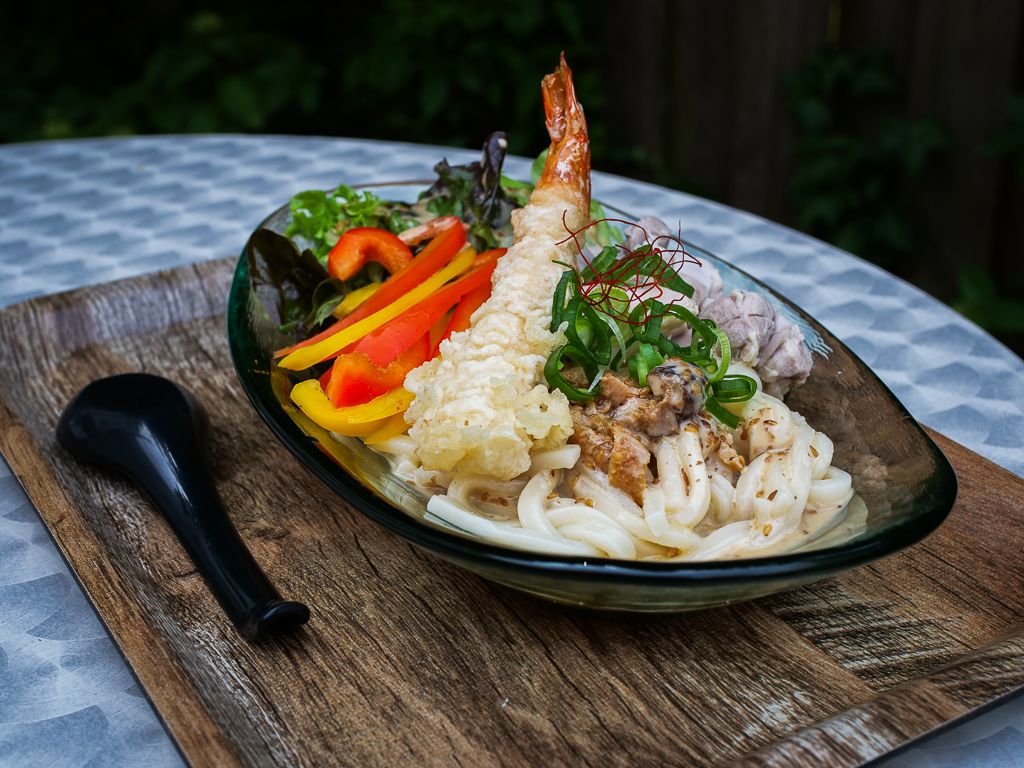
[1010, 140]
[442, 72]
[100, 73]
[979, 297]
[858, 165]
[980, 300]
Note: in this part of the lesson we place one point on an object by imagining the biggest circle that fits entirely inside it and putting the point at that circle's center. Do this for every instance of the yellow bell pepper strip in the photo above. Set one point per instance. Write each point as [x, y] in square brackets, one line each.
[355, 298]
[393, 427]
[356, 420]
[304, 357]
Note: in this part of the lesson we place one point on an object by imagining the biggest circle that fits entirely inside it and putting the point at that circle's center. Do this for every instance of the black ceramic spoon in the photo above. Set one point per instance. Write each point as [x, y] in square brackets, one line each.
[154, 432]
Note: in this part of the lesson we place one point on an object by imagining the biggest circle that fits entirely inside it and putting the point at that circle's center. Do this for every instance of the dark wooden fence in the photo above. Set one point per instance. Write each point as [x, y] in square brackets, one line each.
[699, 85]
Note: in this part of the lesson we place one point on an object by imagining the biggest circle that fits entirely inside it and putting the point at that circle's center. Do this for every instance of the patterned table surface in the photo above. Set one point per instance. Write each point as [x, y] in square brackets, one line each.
[75, 213]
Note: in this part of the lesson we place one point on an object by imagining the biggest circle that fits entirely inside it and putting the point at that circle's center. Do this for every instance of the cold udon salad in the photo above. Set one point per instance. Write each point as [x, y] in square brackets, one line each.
[555, 380]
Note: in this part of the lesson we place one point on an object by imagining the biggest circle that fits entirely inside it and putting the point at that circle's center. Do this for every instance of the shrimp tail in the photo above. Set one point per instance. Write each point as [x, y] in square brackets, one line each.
[568, 163]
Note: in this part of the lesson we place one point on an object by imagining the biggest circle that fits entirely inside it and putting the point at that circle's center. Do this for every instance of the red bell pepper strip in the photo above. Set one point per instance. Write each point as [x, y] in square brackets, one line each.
[472, 301]
[436, 332]
[389, 341]
[433, 257]
[384, 344]
[362, 244]
[459, 320]
[356, 380]
[486, 257]
[364, 382]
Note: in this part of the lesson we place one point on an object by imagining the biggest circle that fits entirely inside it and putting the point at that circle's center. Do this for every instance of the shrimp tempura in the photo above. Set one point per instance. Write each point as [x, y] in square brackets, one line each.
[481, 407]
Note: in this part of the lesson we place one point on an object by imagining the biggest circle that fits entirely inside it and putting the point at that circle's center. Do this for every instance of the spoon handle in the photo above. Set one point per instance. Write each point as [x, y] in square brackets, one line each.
[153, 431]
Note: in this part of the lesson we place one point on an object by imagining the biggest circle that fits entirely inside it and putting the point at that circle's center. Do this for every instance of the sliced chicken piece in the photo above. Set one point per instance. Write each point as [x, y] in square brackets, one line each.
[747, 319]
[786, 361]
[763, 338]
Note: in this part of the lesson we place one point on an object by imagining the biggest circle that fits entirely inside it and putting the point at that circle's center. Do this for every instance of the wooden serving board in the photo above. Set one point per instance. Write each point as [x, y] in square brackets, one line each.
[409, 660]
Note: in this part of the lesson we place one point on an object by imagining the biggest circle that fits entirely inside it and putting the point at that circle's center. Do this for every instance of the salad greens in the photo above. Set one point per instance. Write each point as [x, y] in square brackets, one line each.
[296, 280]
[475, 193]
[320, 217]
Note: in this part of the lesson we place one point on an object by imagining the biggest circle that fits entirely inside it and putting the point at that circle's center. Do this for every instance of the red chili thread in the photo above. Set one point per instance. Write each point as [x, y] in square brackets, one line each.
[625, 273]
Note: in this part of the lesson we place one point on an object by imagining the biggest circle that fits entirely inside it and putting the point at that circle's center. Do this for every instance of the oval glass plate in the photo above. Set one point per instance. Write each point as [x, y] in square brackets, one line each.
[906, 484]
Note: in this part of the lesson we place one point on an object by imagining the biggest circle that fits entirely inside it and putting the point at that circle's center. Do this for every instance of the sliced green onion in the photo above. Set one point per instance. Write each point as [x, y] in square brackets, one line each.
[591, 325]
[600, 263]
[573, 327]
[712, 406]
[558, 303]
[615, 302]
[655, 264]
[553, 374]
[647, 357]
[588, 364]
[700, 327]
[601, 344]
[638, 370]
[722, 364]
[735, 388]
[619, 359]
[651, 330]
[616, 330]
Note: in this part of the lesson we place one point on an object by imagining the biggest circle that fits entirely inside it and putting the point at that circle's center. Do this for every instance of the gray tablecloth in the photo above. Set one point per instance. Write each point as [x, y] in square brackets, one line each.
[80, 212]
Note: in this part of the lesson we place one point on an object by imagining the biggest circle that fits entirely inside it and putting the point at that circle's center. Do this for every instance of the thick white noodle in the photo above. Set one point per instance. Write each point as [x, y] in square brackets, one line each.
[787, 494]
[696, 485]
[775, 485]
[654, 509]
[559, 458]
[462, 489]
[821, 453]
[593, 527]
[831, 492]
[509, 534]
[721, 543]
[722, 510]
[670, 475]
[768, 425]
[844, 524]
[427, 478]
[531, 506]
[402, 445]
[621, 508]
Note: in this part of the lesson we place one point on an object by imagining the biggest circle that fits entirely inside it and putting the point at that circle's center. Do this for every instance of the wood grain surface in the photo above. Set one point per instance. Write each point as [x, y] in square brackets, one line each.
[408, 659]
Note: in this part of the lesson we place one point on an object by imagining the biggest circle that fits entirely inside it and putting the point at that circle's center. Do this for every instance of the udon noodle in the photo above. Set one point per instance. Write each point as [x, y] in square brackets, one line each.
[764, 487]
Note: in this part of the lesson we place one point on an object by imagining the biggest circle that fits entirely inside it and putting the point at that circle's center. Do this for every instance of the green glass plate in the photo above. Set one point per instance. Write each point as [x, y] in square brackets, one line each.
[906, 484]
